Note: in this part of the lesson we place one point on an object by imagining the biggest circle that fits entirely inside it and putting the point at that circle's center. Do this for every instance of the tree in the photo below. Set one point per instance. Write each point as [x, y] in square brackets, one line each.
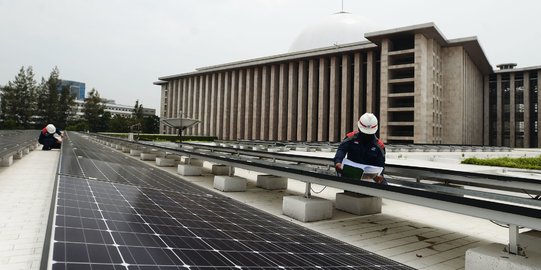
[18, 99]
[93, 109]
[66, 104]
[151, 124]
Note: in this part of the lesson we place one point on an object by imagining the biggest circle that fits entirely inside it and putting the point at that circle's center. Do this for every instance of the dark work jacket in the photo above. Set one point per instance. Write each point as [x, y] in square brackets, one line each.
[47, 139]
[369, 153]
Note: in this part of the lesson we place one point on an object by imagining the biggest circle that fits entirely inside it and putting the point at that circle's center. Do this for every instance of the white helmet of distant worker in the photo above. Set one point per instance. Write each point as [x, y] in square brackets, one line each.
[50, 128]
[368, 123]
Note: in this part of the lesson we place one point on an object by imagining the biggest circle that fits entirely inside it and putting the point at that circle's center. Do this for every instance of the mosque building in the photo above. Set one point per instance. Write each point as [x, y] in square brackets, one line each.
[423, 87]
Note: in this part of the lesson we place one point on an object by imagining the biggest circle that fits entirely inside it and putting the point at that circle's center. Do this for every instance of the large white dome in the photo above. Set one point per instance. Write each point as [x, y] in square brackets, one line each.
[336, 29]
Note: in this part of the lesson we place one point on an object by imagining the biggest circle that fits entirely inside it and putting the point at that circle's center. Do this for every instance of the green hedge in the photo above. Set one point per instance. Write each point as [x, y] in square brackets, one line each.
[163, 137]
[533, 163]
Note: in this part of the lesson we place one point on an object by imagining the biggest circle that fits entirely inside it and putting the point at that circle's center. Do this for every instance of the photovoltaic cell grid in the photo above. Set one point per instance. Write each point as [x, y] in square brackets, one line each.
[130, 224]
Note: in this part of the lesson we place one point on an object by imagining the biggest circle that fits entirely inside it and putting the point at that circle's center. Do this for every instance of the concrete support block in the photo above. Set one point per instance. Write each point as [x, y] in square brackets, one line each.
[165, 162]
[6, 161]
[118, 147]
[358, 204]
[148, 156]
[307, 209]
[219, 169]
[188, 170]
[229, 183]
[18, 154]
[135, 152]
[192, 161]
[26, 151]
[125, 149]
[271, 182]
[494, 257]
[32, 147]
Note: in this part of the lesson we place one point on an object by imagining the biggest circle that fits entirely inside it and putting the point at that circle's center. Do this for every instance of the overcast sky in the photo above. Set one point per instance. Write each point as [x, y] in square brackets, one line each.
[120, 47]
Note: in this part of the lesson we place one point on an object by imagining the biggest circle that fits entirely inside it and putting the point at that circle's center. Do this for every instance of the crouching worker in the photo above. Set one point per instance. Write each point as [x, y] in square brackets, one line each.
[50, 137]
[362, 146]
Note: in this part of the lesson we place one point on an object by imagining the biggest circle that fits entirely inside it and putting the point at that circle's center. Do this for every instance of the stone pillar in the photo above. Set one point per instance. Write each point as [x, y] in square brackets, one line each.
[358, 72]
[512, 118]
[311, 135]
[227, 105]
[189, 110]
[208, 106]
[346, 110]
[201, 105]
[273, 101]
[283, 102]
[265, 103]
[499, 110]
[302, 108]
[527, 106]
[213, 104]
[220, 106]
[371, 83]
[175, 90]
[421, 81]
[170, 90]
[323, 102]
[486, 111]
[256, 120]
[334, 100]
[233, 106]
[292, 100]
[241, 125]
[249, 100]
[384, 90]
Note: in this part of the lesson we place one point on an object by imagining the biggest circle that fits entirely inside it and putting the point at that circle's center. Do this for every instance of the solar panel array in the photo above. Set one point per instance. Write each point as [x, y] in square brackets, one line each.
[113, 212]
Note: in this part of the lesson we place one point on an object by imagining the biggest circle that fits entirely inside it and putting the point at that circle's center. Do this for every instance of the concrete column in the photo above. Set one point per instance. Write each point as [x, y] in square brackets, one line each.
[208, 105]
[347, 91]
[371, 83]
[233, 106]
[273, 101]
[196, 94]
[170, 104]
[323, 102]
[499, 110]
[249, 100]
[292, 102]
[334, 100]
[174, 110]
[241, 110]
[302, 108]
[311, 135]
[265, 103]
[384, 89]
[358, 72]
[283, 102]
[512, 117]
[213, 104]
[220, 107]
[527, 106]
[227, 105]
[421, 80]
[258, 91]
[486, 112]
[189, 109]
[201, 105]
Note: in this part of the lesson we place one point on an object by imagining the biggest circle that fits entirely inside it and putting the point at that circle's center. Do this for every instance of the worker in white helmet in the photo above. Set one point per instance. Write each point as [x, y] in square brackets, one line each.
[50, 137]
[362, 146]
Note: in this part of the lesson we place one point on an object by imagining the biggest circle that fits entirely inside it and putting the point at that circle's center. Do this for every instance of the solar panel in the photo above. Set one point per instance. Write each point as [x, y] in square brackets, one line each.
[147, 219]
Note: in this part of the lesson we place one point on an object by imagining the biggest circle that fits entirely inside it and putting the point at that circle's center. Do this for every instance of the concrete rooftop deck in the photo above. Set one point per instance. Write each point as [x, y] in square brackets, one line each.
[417, 236]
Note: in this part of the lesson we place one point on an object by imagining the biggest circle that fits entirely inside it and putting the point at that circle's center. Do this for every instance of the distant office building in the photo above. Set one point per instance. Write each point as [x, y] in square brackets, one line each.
[113, 109]
[77, 89]
[423, 87]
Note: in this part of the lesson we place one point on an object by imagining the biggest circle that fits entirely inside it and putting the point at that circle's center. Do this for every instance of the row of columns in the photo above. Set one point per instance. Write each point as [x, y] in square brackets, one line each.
[317, 99]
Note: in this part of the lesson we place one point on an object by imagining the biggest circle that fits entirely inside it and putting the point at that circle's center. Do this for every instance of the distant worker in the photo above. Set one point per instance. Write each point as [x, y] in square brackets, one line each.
[50, 137]
[362, 146]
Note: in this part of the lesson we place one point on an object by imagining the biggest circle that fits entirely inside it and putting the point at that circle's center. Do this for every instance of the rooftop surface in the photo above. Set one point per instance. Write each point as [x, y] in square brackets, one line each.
[421, 237]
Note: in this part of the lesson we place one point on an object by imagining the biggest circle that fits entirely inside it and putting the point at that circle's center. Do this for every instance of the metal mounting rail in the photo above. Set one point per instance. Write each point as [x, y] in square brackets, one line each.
[528, 216]
[499, 182]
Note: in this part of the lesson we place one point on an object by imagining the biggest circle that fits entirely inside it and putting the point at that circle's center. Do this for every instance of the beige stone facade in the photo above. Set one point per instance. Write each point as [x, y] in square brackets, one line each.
[424, 89]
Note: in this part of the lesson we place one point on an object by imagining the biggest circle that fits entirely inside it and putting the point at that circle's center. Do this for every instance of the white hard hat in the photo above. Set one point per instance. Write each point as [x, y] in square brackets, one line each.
[368, 123]
[51, 128]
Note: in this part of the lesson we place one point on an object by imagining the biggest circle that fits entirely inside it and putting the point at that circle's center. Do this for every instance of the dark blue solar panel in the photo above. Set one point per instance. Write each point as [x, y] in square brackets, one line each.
[141, 218]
